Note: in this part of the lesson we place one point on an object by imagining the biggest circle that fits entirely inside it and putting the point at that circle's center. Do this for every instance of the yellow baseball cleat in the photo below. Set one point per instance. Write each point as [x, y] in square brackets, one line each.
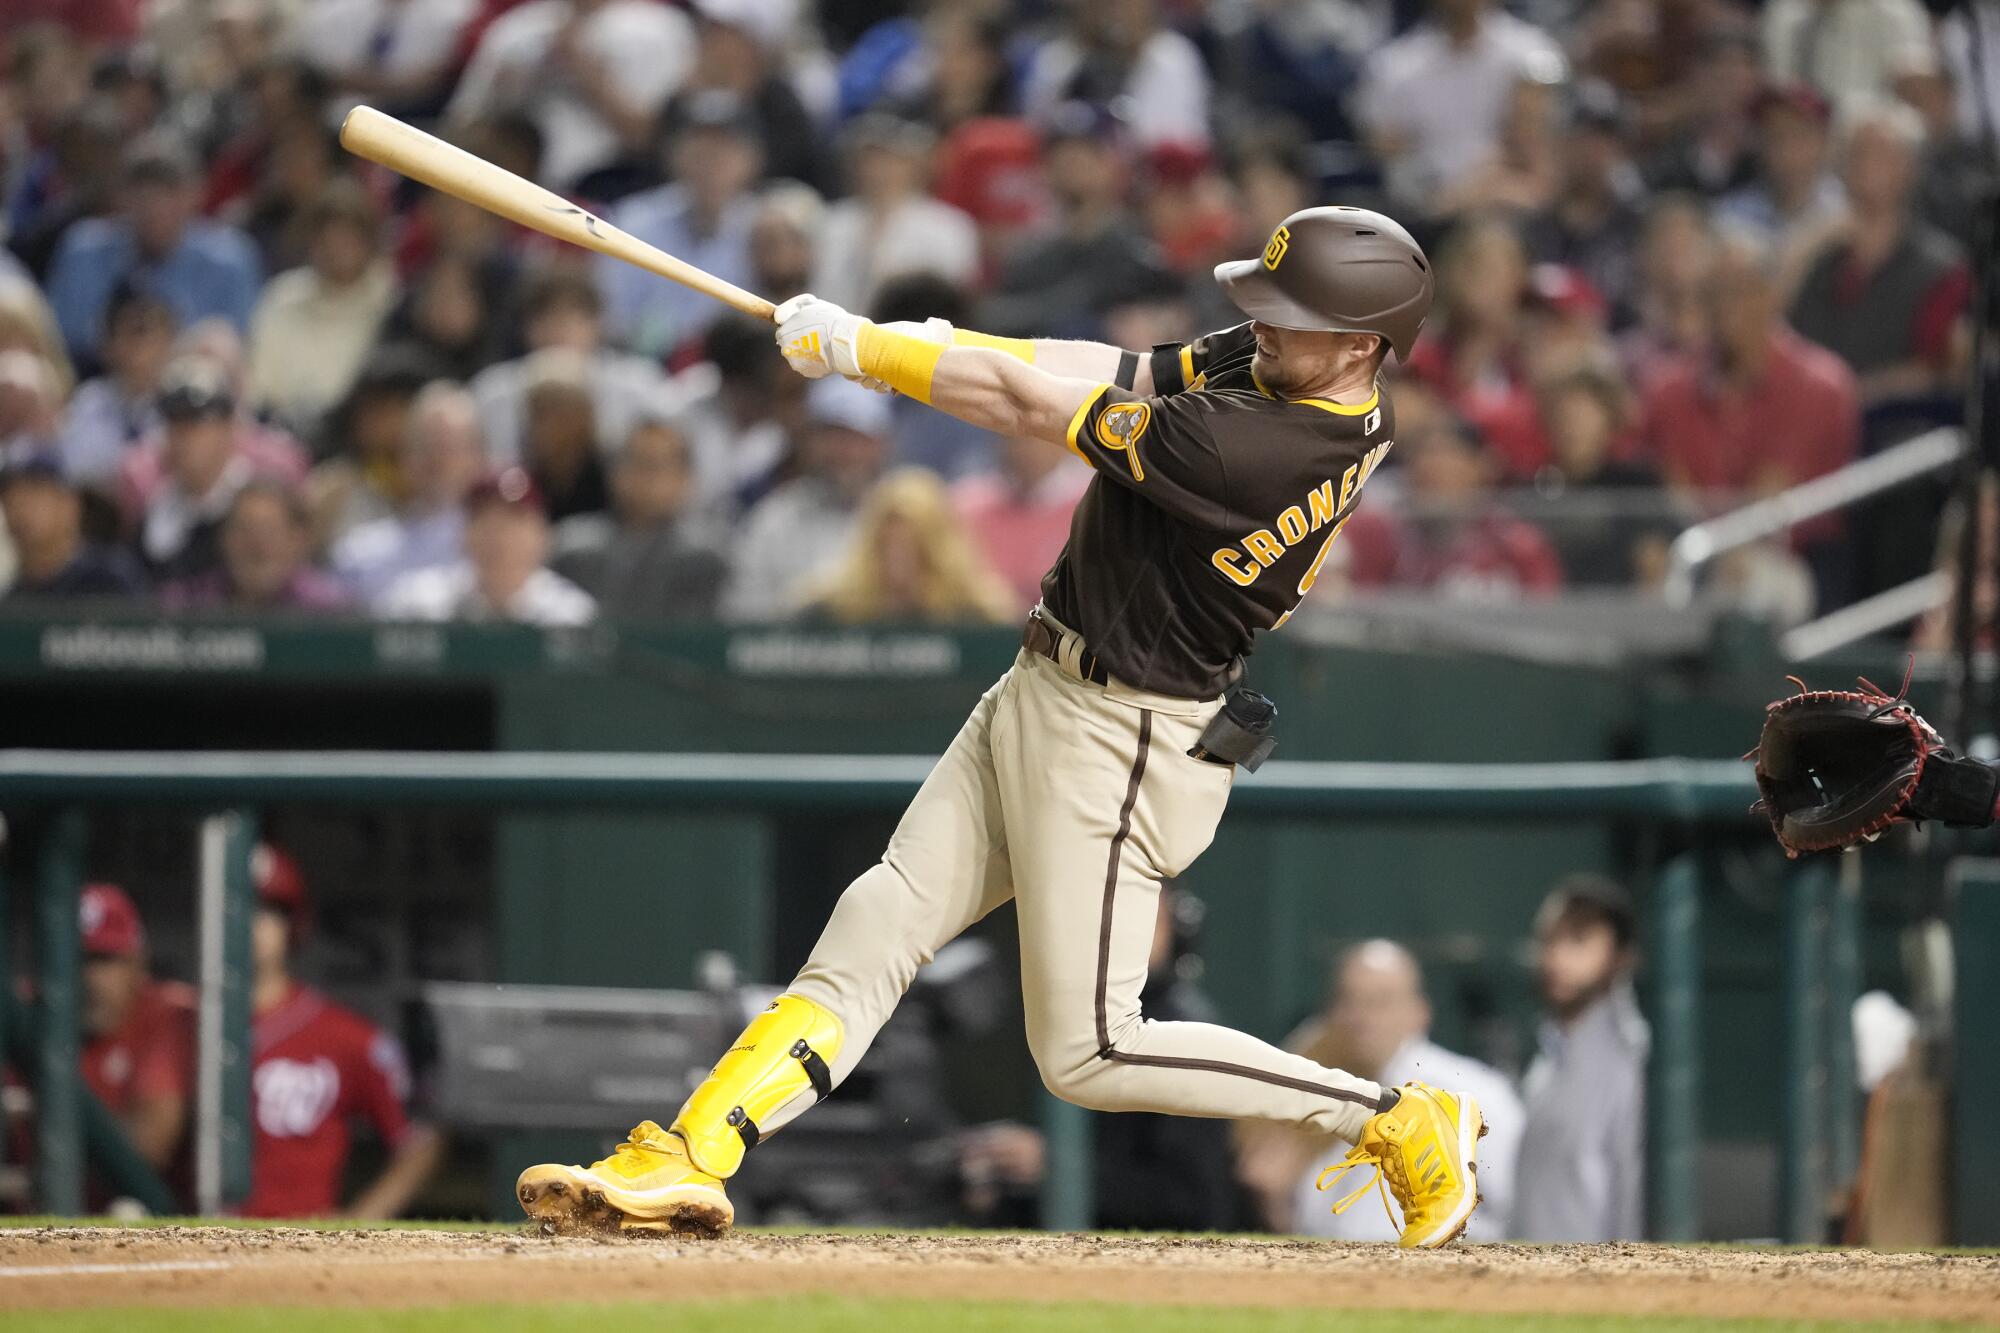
[648, 1183]
[1423, 1149]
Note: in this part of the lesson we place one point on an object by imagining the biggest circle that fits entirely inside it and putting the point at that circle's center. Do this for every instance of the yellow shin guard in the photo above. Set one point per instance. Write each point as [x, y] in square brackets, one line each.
[787, 1050]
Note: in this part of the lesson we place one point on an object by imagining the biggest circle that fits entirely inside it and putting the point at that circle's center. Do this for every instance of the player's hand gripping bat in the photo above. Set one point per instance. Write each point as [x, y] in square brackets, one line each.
[403, 148]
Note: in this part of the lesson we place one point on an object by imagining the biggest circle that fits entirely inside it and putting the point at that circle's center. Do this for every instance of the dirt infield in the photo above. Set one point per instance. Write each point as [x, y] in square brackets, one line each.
[212, 1267]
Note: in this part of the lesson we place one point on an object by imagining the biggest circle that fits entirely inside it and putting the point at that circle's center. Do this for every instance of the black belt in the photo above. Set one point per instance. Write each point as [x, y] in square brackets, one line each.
[1038, 636]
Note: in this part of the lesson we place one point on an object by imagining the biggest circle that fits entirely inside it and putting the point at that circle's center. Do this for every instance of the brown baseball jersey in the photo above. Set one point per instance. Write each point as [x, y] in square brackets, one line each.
[1212, 511]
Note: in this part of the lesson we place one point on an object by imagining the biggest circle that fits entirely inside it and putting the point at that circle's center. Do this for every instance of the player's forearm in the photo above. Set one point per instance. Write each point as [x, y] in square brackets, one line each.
[1096, 362]
[996, 392]
[409, 1168]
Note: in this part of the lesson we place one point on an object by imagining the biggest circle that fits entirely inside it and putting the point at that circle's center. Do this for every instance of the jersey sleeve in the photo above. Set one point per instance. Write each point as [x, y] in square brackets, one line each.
[1178, 367]
[1161, 447]
[380, 1080]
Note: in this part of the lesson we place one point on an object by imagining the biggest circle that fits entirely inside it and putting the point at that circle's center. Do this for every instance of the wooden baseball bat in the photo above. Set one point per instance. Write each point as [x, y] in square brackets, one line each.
[422, 157]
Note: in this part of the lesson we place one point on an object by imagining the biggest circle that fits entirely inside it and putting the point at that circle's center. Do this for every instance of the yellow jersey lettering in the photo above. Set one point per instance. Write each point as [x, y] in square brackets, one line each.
[1322, 505]
[1225, 560]
[1292, 525]
[1264, 544]
[1348, 483]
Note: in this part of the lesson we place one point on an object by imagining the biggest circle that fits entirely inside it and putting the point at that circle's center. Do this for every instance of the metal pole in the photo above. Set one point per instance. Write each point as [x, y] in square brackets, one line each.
[1674, 1117]
[1802, 1165]
[1069, 1169]
[222, 1125]
[59, 1087]
[1843, 989]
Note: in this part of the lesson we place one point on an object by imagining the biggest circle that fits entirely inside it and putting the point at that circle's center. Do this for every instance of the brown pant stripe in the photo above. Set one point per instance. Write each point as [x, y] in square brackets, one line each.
[1104, 1048]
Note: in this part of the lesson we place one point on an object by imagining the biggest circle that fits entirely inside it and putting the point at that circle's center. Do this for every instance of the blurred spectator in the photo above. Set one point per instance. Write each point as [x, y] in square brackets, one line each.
[1599, 209]
[1959, 170]
[110, 414]
[795, 536]
[1971, 45]
[704, 216]
[1889, 293]
[1462, 543]
[1274, 179]
[1520, 175]
[889, 225]
[783, 232]
[1119, 52]
[395, 54]
[444, 457]
[559, 440]
[30, 404]
[1470, 349]
[967, 76]
[316, 1068]
[302, 163]
[450, 316]
[744, 410]
[1057, 285]
[28, 325]
[201, 470]
[1379, 1023]
[1848, 49]
[313, 326]
[1795, 199]
[265, 542]
[501, 575]
[1716, 149]
[44, 521]
[139, 1032]
[1583, 1155]
[563, 312]
[1434, 100]
[362, 477]
[68, 180]
[197, 267]
[908, 562]
[1670, 307]
[649, 560]
[1188, 208]
[1018, 517]
[1764, 408]
[740, 47]
[1586, 414]
[277, 151]
[592, 74]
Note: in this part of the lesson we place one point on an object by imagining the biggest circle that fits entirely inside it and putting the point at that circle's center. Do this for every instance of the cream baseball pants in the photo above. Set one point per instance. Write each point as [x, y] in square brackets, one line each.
[1076, 800]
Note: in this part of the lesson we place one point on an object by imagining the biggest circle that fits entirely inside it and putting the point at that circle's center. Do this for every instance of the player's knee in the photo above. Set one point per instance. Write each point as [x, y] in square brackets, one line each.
[1081, 1080]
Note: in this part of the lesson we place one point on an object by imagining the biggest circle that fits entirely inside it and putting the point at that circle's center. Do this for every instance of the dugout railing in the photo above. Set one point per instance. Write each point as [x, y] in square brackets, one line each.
[1821, 973]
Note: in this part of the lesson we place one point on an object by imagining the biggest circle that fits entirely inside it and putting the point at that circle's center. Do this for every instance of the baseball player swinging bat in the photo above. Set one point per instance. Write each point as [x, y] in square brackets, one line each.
[1098, 766]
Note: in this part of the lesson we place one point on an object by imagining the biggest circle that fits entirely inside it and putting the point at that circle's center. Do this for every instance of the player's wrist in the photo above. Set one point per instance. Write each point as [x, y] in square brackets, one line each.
[904, 363]
[1955, 791]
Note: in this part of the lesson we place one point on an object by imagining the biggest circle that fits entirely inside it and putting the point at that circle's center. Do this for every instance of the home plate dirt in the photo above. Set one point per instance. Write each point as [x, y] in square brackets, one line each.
[69, 1268]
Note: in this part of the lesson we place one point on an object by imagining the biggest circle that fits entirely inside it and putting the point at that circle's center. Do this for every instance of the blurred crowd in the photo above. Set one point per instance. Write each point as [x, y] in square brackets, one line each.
[1689, 252]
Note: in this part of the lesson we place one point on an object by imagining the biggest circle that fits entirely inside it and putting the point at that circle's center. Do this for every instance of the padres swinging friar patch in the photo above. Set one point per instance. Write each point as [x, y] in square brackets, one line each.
[1120, 427]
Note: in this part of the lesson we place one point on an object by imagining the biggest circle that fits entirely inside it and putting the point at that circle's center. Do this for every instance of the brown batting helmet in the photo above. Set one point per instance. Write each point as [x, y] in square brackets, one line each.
[1346, 270]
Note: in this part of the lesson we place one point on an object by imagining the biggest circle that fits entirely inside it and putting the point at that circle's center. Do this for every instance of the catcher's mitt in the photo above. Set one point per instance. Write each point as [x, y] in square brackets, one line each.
[1837, 767]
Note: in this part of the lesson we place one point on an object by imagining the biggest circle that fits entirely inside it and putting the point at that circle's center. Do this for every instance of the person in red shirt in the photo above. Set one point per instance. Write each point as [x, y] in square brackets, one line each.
[1764, 409]
[1019, 516]
[1460, 542]
[316, 1068]
[138, 1053]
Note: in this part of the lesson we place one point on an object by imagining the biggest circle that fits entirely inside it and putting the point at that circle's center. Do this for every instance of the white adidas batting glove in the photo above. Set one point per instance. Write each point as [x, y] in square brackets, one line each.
[817, 337]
